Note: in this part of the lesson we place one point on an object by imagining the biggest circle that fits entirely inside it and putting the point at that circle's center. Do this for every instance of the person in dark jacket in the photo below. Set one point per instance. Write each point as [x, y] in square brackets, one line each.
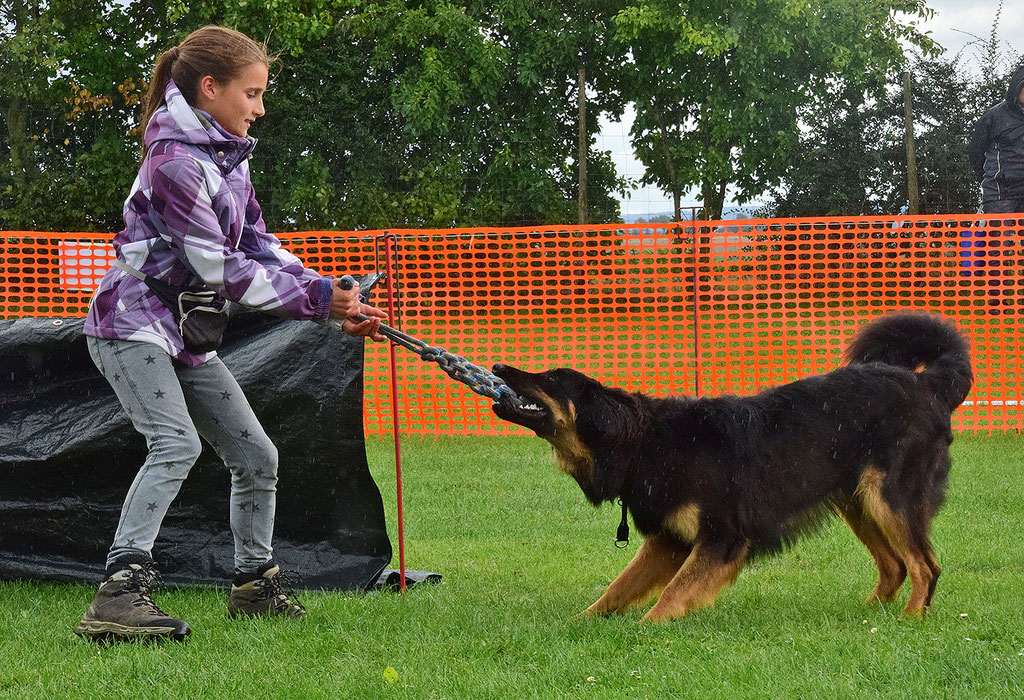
[996, 151]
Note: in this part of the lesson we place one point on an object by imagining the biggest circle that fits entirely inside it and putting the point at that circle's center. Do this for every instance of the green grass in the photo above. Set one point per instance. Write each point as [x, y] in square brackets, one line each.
[521, 554]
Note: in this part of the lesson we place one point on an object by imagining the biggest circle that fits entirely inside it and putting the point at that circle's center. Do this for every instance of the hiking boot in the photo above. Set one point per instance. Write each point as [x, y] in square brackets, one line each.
[123, 609]
[265, 592]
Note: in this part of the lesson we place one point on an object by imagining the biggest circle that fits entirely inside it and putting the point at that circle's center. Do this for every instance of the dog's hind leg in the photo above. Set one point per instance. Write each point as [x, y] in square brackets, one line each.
[891, 571]
[933, 564]
[706, 571]
[655, 563]
[908, 538]
[919, 524]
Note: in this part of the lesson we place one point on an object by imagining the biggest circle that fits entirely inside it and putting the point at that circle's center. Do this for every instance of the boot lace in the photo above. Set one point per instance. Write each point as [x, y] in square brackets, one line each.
[280, 589]
[142, 582]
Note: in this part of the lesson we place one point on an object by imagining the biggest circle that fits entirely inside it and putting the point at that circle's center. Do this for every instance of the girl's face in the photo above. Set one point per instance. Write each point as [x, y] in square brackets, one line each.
[237, 104]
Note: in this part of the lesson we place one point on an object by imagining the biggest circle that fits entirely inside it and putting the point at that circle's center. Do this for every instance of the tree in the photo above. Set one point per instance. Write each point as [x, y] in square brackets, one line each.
[385, 112]
[68, 101]
[844, 162]
[425, 113]
[565, 62]
[719, 86]
[850, 159]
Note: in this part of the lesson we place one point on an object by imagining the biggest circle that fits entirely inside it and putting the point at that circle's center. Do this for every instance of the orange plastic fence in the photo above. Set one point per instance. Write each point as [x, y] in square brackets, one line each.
[693, 307]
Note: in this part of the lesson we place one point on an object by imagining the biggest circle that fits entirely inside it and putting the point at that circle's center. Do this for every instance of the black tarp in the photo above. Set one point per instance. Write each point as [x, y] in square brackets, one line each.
[68, 455]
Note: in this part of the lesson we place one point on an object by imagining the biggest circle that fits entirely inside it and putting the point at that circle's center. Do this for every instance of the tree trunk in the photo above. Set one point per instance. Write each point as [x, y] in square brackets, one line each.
[16, 118]
[582, 155]
[908, 125]
[714, 198]
[670, 166]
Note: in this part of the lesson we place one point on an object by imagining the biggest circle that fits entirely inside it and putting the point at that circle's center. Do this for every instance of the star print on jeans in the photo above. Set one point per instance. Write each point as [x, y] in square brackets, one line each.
[225, 396]
[179, 431]
[158, 393]
[243, 506]
[245, 434]
[131, 542]
[150, 359]
[151, 507]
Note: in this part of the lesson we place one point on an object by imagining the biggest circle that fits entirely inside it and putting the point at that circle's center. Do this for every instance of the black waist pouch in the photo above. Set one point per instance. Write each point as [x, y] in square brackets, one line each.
[201, 315]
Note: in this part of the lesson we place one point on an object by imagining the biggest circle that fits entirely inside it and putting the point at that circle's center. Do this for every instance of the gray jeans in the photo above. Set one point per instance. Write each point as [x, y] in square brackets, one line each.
[172, 406]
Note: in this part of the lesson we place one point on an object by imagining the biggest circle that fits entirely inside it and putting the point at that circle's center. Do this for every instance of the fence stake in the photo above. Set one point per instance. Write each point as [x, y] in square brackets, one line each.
[696, 308]
[388, 239]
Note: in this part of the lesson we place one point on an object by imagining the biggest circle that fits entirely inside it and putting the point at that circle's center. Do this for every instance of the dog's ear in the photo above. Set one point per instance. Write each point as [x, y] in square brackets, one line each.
[607, 417]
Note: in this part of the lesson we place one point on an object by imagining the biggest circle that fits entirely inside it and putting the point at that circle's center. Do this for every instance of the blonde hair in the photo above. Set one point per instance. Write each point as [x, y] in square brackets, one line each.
[215, 51]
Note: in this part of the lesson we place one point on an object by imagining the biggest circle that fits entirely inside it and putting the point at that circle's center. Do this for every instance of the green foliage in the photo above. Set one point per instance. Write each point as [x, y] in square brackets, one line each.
[384, 113]
[433, 113]
[72, 78]
[719, 86]
[852, 157]
[845, 164]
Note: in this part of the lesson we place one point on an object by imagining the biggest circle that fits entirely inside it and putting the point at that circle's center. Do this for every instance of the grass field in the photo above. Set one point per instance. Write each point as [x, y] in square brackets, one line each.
[521, 554]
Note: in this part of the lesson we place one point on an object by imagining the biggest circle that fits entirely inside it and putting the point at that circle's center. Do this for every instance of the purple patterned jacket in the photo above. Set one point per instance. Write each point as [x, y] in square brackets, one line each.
[191, 219]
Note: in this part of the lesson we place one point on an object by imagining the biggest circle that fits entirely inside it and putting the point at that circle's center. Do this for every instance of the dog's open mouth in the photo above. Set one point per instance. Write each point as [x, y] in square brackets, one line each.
[525, 409]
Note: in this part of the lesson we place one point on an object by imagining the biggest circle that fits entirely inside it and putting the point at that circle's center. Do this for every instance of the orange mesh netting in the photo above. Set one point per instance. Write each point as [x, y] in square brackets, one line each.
[696, 308]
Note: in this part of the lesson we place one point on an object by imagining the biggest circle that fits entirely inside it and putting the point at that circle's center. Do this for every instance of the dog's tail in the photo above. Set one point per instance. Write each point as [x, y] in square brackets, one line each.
[918, 341]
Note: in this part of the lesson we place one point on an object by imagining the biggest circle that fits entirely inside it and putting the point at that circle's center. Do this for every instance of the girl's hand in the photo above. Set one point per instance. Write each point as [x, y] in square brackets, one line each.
[345, 305]
[344, 302]
[368, 328]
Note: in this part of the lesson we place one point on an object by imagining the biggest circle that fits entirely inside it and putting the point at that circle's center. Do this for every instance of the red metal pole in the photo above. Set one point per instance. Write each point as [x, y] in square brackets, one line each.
[696, 306]
[394, 414]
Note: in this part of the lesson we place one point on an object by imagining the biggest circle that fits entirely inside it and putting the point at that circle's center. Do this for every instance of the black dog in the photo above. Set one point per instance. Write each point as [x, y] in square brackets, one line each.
[713, 481]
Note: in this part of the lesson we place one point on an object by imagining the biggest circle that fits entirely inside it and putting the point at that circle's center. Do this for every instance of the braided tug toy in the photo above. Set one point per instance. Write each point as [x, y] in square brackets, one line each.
[457, 367]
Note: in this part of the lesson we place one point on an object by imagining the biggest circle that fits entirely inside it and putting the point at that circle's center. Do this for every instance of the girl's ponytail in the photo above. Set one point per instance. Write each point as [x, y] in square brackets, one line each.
[155, 94]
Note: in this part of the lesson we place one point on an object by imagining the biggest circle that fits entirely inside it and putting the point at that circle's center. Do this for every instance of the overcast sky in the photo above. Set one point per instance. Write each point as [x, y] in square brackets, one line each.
[956, 24]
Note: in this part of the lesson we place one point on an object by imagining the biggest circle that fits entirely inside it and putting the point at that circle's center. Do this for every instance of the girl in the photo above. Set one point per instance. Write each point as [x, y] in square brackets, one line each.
[193, 238]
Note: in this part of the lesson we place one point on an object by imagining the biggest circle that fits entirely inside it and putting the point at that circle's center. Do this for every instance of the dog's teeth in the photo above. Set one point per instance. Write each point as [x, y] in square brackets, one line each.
[531, 407]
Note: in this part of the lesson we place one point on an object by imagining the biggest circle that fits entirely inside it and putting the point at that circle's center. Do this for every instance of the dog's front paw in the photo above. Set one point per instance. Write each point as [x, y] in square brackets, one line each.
[595, 609]
[662, 613]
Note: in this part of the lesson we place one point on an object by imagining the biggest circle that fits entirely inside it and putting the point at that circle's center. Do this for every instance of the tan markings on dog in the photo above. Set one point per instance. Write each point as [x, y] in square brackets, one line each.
[684, 522]
[654, 565]
[571, 455]
[697, 584]
[920, 563]
[869, 492]
[891, 571]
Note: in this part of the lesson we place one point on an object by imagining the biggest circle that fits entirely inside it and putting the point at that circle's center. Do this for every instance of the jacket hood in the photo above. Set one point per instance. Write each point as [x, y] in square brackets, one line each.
[1016, 83]
[177, 120]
